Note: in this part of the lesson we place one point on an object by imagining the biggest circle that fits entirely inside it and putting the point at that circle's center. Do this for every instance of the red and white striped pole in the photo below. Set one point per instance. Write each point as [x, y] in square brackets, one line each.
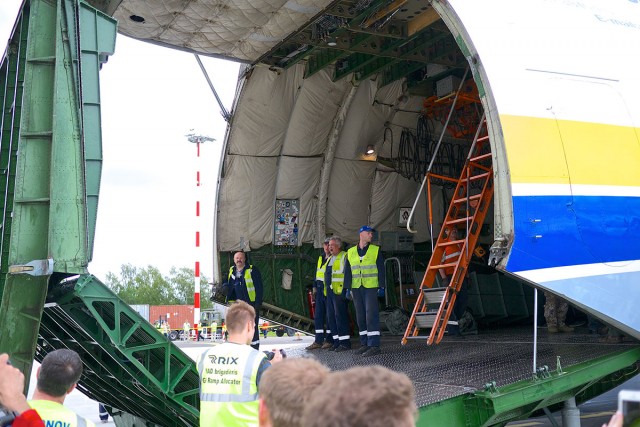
[196, 271]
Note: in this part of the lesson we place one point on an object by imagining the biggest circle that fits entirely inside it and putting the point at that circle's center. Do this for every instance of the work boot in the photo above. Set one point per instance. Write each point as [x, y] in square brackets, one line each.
[552, 329]
[362, 349]
[314, 346]
[565, 328]
[327, 345]
[371, 352]
[342, 348]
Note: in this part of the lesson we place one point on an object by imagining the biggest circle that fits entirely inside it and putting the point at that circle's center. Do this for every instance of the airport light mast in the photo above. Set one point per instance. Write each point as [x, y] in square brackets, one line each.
[197, 139]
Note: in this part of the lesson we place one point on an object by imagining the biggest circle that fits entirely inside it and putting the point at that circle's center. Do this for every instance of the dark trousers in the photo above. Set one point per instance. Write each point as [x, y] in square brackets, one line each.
[102, 412]
[365, 301]
[342, 320]
[320, 318]
[331, 316]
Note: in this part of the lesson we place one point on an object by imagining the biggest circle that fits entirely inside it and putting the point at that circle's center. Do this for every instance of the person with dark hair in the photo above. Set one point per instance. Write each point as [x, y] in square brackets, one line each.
[286, 388]
[230, 373]
[364, 396]
[244, 283]
[57, 376]
[11, 397]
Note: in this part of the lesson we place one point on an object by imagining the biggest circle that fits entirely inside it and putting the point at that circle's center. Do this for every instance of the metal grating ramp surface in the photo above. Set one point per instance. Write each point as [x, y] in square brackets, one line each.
[461, 365]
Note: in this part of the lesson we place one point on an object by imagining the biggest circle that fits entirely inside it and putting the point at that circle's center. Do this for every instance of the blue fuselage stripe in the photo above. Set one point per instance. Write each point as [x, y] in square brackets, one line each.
[557, 231]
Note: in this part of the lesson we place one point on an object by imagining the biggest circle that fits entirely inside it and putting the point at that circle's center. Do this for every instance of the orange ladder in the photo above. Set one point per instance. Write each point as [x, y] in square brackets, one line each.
[466, 213]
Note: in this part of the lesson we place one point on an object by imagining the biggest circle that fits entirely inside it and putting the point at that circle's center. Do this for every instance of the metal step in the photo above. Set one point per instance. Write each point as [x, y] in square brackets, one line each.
[434, 295]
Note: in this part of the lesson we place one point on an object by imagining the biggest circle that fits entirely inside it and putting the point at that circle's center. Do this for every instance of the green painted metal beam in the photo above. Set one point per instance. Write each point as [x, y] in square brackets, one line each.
[415, 51]
[446, 55]
[49, 230]
[128, 362]
[497, 406]
[323, 57]
[12, 74]
[337, 34]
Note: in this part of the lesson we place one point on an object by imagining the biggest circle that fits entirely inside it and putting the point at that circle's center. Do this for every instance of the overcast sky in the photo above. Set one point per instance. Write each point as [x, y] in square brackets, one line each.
[151, 98]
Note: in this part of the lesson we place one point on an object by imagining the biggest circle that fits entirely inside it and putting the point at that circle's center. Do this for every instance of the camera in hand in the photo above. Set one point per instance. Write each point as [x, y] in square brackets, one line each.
[629, 405]
[270, 354]
[6, 417]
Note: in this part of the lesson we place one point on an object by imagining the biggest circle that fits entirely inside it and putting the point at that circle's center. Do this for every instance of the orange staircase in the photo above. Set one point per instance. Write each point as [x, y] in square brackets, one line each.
[466, 213]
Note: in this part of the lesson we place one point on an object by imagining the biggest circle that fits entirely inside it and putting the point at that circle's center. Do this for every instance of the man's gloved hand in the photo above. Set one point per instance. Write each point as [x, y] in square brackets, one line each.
[224, 289]
[347, 294]
[380, 292]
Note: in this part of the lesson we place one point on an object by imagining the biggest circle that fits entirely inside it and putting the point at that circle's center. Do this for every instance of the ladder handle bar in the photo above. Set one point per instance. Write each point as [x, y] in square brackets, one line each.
[386, 294]
[473, 147]
[446, 123]
[433, 158]
[430, 211]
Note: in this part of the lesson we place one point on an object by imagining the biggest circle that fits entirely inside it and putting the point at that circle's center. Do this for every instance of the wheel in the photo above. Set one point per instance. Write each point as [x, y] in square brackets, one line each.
[290, 332]
[280, 332]
[173, 335]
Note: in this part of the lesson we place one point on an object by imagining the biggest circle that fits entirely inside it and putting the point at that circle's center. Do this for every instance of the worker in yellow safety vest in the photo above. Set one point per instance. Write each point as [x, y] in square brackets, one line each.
[186, 329]
[230, 373]
[57, 376]
[337, 296]
[244, 283]
[366, 279]
[324, 339]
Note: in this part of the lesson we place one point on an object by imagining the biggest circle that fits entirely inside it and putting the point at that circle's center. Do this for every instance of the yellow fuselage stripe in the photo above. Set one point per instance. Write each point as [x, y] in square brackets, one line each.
[548, 151]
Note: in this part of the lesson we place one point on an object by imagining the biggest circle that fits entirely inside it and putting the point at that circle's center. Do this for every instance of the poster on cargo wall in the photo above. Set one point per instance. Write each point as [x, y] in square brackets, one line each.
[287, 214]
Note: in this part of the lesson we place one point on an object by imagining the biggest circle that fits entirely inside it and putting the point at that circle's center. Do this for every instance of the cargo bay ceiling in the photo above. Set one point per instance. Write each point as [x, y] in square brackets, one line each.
[323, 81]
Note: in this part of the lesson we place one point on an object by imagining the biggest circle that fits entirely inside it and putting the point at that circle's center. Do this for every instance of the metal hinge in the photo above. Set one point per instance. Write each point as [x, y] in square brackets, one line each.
[39, 267]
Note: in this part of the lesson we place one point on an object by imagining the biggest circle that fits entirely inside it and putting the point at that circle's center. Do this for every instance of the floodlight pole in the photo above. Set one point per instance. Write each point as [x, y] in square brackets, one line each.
[197, 139]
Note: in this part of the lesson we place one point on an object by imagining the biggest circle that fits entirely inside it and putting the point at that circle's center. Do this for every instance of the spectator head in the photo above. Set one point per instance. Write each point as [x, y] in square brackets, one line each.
[59, 372]
[364, 396]
[285, 389]
[239, 316]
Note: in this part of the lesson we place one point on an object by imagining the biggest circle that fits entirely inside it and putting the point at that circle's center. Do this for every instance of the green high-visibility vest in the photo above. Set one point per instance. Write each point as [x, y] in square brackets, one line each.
[364, 271]
[228, 390]
[55, 414]
[320, 270]
[251, 290]
[337, 273]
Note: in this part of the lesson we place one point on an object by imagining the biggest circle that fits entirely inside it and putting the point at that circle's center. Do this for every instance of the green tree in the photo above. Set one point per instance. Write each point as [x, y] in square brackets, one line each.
[136, 285]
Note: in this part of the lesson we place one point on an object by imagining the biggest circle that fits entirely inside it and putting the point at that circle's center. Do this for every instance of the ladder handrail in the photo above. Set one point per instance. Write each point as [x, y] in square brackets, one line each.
[386, 294]
[433, 158]
[471, 150]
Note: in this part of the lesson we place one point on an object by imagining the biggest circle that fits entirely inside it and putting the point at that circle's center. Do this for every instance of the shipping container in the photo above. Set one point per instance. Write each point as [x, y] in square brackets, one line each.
[175, 315]
[142, 309]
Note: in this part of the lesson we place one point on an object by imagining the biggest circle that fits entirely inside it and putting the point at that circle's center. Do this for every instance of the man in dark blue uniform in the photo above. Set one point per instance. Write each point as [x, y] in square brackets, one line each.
[244, 283]
[365, 278]
[324, 339]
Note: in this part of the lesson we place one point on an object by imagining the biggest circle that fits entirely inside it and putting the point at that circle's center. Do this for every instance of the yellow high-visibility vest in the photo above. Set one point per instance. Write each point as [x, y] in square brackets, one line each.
[364, 271]
[337, 273]
[57, 415]
[248, 280]
[320, 270]
[228, 390]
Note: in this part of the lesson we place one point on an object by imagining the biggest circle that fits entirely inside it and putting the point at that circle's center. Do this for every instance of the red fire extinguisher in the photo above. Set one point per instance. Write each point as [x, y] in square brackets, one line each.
[311, 301]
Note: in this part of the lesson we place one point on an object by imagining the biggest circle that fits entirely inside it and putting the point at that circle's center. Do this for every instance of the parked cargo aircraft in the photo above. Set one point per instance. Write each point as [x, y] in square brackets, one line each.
[523, 116]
